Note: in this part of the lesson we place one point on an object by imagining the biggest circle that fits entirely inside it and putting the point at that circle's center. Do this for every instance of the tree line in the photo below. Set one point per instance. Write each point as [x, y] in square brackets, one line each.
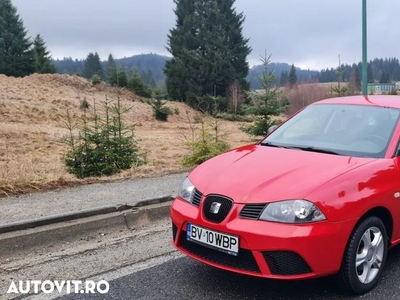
[379, 70]
[19, 54]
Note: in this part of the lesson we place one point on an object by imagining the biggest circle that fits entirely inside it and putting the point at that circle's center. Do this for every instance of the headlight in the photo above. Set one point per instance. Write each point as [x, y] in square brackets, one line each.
[292, 211]
[186, 190]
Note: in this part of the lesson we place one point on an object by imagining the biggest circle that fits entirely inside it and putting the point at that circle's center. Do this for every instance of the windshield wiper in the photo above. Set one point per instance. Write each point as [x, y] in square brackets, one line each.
[313, 149]
[308, 148]
[269, 144]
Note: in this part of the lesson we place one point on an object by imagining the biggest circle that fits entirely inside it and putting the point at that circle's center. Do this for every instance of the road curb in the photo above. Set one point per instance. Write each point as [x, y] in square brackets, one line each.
[16, 226]
[63, 229]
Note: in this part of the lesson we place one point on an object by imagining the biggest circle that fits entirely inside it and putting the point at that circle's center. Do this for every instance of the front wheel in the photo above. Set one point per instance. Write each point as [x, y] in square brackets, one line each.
[365, 256]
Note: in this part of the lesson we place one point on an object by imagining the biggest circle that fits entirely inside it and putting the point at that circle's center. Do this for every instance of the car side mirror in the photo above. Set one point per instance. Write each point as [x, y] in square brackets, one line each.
[271, 129]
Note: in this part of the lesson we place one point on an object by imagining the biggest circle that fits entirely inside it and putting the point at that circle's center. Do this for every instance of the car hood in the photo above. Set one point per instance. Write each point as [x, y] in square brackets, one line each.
[260, 174]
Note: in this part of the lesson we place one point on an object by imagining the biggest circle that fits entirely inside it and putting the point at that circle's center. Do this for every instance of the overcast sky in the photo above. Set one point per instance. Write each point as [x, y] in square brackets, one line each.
[309, 33]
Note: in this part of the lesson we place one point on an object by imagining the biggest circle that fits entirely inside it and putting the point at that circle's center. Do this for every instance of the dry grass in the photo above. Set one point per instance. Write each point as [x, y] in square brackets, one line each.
[33, 108]
[305, 94]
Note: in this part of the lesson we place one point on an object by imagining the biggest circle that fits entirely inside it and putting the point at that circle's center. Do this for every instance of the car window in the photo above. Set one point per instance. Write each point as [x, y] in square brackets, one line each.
[354, 130]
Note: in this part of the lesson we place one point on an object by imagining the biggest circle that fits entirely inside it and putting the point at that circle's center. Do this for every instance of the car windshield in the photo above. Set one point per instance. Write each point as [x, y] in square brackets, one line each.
[351, 130]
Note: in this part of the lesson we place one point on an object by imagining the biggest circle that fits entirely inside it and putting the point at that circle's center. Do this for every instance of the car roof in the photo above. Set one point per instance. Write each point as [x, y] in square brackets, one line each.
[372, 100]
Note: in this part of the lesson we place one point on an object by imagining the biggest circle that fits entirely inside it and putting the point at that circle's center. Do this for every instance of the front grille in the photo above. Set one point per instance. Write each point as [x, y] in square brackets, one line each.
[286, 263]
[209, 205]
[174, 231]
[252, 211]
[196, 198]
[244, 261]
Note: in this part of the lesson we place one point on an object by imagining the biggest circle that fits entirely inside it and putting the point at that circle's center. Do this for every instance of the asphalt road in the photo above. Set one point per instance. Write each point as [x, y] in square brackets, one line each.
[142, 264]
[183, 278]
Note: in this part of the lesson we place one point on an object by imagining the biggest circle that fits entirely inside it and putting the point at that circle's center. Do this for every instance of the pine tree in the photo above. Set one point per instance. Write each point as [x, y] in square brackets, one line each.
[42, 57]
[136, 84]
[284, 78]
[93, 66]
[339, 90]
[357, 79]
[266, 104]
[16, 57]
[292, 76]
[112, 71]
[122, 78]
[208, 48]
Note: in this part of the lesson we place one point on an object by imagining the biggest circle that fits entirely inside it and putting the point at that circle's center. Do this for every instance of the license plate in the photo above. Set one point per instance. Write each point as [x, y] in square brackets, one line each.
[213, 239]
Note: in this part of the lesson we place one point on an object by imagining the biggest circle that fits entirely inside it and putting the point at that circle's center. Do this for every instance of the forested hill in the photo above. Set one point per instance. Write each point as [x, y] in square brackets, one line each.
[142, 62]
[379, 70]
[281, 71]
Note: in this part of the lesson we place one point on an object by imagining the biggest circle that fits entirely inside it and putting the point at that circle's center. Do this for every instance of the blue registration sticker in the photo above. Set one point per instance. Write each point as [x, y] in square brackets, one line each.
[189, 231]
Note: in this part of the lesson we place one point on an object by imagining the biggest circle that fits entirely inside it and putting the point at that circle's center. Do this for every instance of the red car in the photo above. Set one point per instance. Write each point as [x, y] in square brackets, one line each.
[320, 195]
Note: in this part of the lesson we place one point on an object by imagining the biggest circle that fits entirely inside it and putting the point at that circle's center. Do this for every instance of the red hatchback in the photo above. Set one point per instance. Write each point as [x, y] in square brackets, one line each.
[319, 195]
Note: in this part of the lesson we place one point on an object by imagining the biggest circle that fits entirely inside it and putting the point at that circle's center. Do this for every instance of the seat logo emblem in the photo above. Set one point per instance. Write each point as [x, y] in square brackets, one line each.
[214, 208]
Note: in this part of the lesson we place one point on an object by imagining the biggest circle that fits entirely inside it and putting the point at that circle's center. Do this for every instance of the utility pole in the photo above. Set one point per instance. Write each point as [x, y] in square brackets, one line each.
[364, 49]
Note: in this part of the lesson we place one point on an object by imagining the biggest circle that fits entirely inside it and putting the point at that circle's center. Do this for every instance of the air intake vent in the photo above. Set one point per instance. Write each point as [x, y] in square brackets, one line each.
[196, 198]
[252, 211]
[286, 263]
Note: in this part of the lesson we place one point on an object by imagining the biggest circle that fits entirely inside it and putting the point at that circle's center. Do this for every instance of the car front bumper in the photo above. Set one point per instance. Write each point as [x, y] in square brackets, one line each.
[266, 249]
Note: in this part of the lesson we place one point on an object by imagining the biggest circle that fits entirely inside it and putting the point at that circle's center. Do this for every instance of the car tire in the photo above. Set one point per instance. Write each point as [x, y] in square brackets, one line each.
[365, 256]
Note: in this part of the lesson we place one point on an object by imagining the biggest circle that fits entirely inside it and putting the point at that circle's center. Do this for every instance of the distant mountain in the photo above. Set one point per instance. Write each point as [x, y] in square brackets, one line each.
[279, 68]
[145, 62]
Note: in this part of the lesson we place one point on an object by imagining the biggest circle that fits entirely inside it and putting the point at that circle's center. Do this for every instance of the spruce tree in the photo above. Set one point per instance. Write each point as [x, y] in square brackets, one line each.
[42, 57]
[93, 66]
[112, 71]
[16, 57]
[357, 79]
[122, 78]
[292, 76]
[208, 48]
[265, 104]
[136, 84]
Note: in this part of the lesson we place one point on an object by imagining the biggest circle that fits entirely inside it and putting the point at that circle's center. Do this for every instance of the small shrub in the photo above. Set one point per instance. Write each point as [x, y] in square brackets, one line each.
[104, 145]
[176, 111]
[96, 79]
[206, 145]
[160, 111]
[136, 85]
[84, 104]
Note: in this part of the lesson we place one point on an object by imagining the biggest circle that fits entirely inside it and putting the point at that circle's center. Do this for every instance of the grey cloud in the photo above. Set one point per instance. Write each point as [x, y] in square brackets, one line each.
[310, 33]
